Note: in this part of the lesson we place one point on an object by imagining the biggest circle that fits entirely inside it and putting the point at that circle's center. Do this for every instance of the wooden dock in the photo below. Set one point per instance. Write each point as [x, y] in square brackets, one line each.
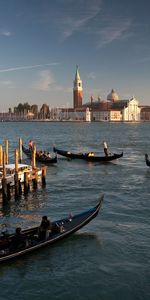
[19, 178]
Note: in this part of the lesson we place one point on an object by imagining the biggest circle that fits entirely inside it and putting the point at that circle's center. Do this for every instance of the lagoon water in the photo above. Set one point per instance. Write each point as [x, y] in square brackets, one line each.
[110, 257]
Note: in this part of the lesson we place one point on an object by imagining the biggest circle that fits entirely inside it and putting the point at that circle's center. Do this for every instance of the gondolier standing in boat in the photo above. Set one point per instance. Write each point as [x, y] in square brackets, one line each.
[105, 148]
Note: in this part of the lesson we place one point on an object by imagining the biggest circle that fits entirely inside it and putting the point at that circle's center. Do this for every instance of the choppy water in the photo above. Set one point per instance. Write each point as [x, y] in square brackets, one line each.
[110, 257]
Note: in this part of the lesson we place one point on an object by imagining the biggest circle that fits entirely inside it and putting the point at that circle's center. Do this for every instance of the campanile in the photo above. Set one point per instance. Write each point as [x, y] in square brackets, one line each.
[77, 90]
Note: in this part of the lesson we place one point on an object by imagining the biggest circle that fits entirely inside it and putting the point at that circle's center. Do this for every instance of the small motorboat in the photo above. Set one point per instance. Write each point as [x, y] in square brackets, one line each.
[41, 156]
[10, 173]
[67, 226]
[89, 156]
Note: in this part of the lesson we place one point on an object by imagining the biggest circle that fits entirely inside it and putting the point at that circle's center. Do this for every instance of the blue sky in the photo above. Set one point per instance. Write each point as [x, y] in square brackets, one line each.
[42, 41]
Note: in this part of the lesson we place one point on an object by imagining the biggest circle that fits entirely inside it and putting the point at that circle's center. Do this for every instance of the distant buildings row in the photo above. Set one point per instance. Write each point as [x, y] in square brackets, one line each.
[110, 110]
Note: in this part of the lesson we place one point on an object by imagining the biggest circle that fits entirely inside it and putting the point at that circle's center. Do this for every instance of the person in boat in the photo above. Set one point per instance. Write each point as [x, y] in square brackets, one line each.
[4, 239]
[105, 148]
[49, 154]
[44, 154]
[18, 240]
[39, 153]
[45, 228]
[30, 145]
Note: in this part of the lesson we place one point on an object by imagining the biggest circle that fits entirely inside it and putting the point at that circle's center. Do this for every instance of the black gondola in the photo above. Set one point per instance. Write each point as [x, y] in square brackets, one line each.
[147, 160]
[45, 158]
[89, 156]
[70, 225]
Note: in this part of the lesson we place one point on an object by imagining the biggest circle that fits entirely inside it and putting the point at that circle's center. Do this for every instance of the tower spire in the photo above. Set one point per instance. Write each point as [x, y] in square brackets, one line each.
[77, 90]
[77, 75]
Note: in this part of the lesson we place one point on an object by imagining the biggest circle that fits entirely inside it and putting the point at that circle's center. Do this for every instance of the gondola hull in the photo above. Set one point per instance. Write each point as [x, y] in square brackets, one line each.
[87, 156]
[41, 159]
[70, 225]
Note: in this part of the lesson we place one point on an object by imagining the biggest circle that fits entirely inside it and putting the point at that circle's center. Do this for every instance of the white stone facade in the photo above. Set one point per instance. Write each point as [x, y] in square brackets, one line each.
[131, 113]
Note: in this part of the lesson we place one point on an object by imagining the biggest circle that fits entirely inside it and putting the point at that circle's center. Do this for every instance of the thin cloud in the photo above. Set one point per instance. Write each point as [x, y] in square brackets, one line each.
[27, 67]
[44, 81]
[91, 75]
[143, 59]
[5, 33]
[6, 83]
[118, 30]
[79, 19]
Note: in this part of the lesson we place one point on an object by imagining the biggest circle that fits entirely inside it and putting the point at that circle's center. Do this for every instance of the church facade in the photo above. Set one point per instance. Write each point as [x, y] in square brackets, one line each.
[118, 110]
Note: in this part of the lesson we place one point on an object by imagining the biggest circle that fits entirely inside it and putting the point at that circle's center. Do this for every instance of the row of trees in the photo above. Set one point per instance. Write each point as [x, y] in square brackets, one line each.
[26, 110]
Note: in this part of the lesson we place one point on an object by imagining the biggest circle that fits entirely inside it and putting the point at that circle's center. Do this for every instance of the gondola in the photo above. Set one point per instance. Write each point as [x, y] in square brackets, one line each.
[40, 158]
[68, 226]
[147, 160]
[89, 156]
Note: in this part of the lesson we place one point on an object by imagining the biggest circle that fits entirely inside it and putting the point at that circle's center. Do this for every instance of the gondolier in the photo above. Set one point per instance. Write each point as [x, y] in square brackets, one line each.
[105, 148]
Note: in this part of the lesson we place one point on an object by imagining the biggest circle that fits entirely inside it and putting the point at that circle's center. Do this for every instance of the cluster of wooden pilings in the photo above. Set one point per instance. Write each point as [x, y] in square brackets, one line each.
[31, 178]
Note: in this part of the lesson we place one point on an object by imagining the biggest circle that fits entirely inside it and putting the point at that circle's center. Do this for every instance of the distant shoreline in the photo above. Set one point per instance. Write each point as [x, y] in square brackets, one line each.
[71, 121]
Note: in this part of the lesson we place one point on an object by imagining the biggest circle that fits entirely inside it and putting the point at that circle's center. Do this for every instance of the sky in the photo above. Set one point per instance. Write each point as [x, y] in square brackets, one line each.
[42, 42]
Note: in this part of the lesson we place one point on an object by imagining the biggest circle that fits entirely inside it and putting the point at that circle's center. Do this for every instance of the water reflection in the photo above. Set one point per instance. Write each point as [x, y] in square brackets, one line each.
[22, 212]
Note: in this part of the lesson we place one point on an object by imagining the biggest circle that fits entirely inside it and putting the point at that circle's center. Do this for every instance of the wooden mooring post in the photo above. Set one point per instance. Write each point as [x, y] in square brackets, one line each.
[16, 176]
[6, 188]
[1, 155]
[4, 180]
[6, 151]
[44, 176]
[26, 183]
[34, 171]
[20, 150]
[34, 157]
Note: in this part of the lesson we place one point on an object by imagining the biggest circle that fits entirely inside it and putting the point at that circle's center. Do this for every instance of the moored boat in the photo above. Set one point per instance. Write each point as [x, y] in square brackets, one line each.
[70, 225]
[89, 156]
[41, 156]
[10, 173]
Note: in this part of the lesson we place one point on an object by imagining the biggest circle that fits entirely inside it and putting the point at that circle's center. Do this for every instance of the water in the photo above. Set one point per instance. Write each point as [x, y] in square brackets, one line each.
[109, 258]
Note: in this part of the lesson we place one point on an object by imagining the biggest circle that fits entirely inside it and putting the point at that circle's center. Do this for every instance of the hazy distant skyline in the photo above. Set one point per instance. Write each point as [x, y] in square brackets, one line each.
[41, 42]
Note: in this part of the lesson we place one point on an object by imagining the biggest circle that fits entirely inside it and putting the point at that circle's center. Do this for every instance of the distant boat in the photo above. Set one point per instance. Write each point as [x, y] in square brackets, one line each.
[147, 160]
[65, 227]
[46, 158]
[89, 156]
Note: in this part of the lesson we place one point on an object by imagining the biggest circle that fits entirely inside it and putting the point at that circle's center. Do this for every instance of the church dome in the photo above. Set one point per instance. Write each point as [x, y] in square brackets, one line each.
[113, 96]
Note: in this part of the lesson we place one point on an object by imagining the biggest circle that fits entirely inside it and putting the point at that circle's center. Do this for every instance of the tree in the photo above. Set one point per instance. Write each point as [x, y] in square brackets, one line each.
[44, 111]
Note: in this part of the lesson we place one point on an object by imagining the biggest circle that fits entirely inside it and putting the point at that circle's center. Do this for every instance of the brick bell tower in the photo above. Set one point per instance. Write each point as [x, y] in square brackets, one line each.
[77, 90]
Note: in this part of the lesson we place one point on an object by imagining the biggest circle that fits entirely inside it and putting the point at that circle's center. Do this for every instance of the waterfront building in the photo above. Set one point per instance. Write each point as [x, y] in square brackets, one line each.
[113, 109]
[125, 110]
[88, 115]
[145, 113]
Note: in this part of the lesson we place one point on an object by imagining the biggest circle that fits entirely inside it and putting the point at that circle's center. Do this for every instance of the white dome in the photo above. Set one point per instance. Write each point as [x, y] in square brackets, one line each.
[113, 96]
